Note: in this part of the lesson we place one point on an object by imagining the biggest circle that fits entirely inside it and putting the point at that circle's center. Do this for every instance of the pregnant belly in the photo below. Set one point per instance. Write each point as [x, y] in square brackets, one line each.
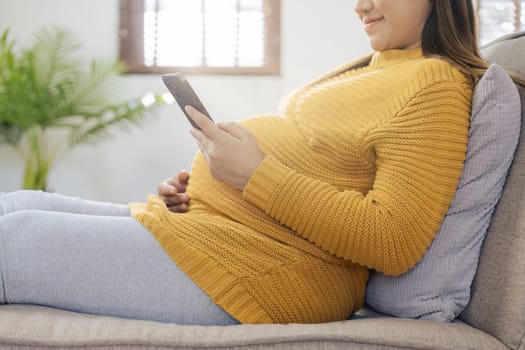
[212, 197]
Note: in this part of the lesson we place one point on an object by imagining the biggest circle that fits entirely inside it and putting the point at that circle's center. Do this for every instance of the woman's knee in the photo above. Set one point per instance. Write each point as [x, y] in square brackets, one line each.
[21, 242]
[14, 201]
[9, 224]
[16, 220]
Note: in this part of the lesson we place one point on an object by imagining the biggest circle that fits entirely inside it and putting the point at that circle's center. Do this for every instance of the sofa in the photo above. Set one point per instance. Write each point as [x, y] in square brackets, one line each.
[493, 319]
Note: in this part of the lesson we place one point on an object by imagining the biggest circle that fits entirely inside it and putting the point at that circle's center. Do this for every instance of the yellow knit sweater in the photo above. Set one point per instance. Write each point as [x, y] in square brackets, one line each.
[360, 169]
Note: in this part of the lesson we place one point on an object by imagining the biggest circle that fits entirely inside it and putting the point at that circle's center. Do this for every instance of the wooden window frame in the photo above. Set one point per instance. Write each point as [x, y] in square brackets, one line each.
[131, 44]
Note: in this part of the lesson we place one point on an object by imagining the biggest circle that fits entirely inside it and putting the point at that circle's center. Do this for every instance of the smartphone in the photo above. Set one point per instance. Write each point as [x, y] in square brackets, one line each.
[183, 93]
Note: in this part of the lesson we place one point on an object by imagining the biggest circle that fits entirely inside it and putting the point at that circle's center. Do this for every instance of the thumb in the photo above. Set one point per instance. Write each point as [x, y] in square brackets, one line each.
[183, 176]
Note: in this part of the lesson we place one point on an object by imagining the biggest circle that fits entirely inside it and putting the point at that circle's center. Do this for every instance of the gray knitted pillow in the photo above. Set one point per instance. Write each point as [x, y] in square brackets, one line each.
[438, 287]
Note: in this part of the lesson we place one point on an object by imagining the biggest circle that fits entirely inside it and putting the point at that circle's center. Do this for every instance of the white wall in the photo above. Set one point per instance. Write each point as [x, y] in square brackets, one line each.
[316, 36]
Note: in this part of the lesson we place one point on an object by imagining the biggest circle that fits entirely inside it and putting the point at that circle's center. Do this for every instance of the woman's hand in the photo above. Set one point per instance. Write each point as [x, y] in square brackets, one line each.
[231, 151]
[172, 191]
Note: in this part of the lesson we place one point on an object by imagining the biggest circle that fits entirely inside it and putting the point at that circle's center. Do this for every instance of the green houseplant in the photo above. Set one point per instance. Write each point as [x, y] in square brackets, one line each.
[48, 93]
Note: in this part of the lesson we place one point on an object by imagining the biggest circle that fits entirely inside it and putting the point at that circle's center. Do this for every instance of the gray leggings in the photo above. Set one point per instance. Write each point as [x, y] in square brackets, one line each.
[93, 257]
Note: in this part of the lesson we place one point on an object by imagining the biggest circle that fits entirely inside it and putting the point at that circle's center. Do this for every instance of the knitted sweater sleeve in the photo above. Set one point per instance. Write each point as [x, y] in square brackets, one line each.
[418, 157]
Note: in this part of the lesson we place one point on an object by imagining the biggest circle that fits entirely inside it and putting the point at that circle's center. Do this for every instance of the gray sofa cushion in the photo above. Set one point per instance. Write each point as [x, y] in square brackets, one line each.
[497, 304]
[438, 287]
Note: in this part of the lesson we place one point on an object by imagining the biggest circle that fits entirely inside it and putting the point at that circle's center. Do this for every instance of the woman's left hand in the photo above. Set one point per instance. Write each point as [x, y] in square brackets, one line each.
[231, 151]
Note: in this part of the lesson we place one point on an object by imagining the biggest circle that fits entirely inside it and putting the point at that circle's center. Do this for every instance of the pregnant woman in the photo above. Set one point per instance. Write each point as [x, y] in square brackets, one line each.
[284, 215]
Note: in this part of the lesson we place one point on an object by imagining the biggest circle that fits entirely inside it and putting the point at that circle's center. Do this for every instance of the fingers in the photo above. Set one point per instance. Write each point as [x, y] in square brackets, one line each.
[183, 177]
[204, 143]
[234, 129]
[171, 191]
[179, 182]
[179, 208]
[208, 127]
[198, 135]
[167, 188]
[176, 200]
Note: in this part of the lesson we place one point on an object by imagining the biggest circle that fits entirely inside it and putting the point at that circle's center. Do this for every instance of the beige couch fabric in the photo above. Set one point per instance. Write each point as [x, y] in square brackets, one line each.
[45, 328]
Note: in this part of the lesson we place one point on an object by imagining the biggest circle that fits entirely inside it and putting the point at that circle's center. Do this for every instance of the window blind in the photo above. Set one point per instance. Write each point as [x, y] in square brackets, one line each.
[201, 36]
[499, 17]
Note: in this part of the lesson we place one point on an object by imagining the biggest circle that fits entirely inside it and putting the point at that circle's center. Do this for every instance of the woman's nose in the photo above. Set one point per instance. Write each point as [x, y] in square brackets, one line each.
[363, 6]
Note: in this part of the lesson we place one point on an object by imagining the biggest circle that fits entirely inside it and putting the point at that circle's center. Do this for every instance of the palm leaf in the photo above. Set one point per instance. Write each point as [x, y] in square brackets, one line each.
[53, 55]
[100, 126]
[10, 134]
[95, 88]
[47, 87]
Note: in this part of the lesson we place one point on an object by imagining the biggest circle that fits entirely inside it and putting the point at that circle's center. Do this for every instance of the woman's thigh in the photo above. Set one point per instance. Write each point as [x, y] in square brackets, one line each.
[40, 200]
[97, 264]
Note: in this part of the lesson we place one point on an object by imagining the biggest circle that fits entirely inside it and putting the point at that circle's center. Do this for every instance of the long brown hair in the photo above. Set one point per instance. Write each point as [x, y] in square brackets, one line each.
[450, 32]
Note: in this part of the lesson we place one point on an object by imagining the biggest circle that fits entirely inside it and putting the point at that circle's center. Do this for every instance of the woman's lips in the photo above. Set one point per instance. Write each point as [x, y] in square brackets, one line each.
[369, 22]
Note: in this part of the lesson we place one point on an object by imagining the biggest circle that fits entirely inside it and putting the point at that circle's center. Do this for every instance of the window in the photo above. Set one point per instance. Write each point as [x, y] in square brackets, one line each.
[200, 36]
[500, 17]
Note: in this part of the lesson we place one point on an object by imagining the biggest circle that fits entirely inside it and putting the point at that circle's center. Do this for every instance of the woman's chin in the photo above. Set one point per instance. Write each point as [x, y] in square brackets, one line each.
[377, 44]
[378, 47]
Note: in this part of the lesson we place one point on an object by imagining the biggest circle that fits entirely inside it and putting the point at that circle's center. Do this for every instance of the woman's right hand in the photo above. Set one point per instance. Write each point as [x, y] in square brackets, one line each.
[173, 192]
